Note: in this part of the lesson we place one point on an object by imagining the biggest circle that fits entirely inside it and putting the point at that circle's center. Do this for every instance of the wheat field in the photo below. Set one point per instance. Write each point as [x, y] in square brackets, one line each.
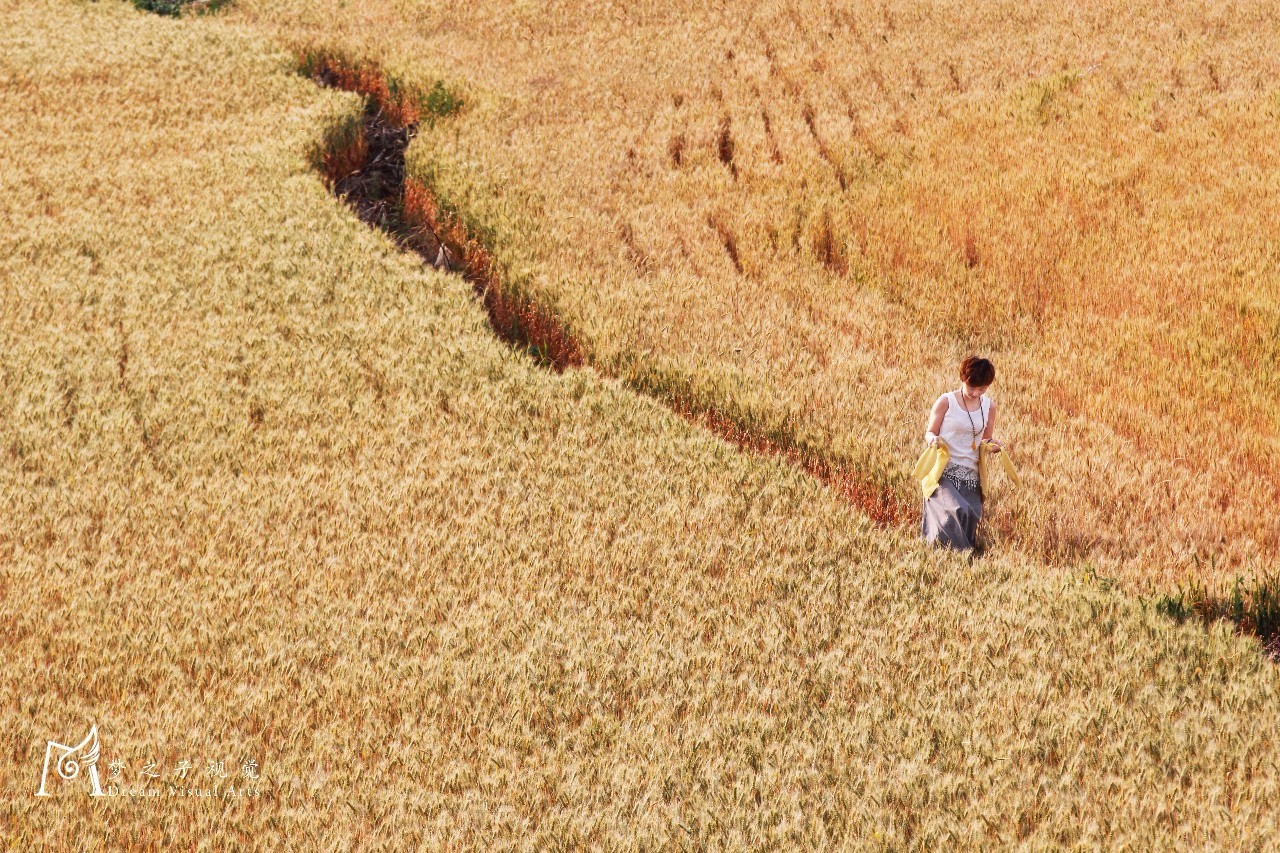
[275, 492]
[805, 214]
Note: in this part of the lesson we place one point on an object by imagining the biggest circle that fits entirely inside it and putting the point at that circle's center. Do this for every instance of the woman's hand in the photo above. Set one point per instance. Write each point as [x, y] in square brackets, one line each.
[930, 440]
[996, 446]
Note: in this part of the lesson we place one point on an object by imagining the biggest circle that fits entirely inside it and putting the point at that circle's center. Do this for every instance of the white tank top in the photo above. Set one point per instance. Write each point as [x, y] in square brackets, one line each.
[958, 427]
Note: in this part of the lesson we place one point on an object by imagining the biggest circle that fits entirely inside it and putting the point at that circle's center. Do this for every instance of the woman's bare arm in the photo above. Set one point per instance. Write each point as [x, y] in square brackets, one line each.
[988, 434]
[935, 417]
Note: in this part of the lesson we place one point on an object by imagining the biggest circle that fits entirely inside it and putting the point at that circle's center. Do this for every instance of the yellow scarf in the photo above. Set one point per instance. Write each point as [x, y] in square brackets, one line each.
[934, 459]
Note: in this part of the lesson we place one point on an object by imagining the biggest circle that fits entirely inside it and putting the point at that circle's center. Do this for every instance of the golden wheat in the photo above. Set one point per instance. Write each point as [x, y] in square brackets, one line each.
[272, 489]
[803, 215]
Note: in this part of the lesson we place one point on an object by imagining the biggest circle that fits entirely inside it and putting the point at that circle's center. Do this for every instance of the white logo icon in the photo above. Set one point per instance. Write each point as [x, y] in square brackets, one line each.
[69, 768]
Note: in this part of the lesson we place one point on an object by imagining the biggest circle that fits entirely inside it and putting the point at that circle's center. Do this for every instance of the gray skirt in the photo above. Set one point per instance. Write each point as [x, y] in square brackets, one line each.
[952, 512]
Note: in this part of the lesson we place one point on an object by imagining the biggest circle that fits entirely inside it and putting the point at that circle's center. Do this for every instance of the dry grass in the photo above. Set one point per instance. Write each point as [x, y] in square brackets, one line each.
[778, 209]
[273, 490]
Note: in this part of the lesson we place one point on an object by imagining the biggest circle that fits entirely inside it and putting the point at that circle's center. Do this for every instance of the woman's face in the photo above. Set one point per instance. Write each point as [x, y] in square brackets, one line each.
[974, 392]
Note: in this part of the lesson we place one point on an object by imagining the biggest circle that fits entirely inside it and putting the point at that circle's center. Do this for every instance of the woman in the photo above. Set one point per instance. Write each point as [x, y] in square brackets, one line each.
[964, 419]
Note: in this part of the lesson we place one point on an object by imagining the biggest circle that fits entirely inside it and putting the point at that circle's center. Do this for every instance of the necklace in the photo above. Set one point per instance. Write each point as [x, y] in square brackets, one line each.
[973, 445]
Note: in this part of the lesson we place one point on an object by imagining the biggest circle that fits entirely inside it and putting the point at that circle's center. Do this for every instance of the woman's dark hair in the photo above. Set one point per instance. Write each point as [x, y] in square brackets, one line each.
[977, 372]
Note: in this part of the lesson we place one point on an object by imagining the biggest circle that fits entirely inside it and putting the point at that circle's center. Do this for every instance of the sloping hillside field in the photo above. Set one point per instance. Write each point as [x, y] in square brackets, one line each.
[299, 554]
[805, 213]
